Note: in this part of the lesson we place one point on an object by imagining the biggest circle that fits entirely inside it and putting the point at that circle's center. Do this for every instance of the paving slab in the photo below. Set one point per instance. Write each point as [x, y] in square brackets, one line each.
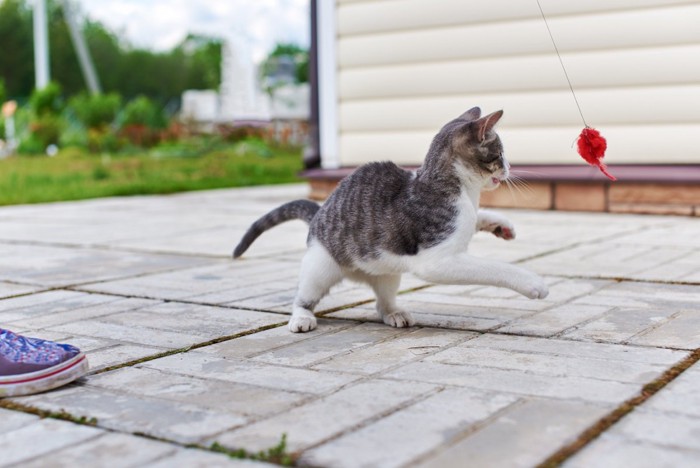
[188, 346]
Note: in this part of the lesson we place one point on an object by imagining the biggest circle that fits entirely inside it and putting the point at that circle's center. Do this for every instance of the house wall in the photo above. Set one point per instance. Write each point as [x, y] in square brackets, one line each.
[405, 67]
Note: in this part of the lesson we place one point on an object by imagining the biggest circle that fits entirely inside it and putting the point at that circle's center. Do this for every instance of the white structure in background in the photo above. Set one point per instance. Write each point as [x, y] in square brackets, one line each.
[200, 106]
[241, 98]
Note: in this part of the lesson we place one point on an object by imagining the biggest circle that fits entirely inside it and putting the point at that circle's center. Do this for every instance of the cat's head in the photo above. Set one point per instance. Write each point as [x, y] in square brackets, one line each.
[475, 149]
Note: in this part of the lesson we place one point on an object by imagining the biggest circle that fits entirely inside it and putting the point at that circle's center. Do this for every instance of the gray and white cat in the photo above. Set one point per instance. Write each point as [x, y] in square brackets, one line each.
[383, 221]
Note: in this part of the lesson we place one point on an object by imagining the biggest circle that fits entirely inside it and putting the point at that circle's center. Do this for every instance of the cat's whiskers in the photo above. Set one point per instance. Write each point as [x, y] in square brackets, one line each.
[521, 186]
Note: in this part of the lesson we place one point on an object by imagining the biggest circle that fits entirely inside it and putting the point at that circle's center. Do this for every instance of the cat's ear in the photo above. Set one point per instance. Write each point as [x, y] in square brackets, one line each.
[485, 124]
[472, 114]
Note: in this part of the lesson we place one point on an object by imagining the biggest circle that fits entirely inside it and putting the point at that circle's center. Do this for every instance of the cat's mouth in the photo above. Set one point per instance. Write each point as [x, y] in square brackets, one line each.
[496, 180]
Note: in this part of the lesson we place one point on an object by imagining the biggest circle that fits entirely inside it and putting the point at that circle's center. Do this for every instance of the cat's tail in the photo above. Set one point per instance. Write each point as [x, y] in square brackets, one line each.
[298, 209]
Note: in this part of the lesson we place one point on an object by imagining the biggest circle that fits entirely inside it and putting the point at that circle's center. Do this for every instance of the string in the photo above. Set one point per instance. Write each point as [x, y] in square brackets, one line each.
[556, 49]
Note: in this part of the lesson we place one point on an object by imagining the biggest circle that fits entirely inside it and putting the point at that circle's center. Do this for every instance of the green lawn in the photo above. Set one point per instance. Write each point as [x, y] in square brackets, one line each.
[75, 174]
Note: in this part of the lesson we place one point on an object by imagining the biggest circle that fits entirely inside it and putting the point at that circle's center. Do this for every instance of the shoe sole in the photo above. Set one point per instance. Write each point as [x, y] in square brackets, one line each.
[47, 379]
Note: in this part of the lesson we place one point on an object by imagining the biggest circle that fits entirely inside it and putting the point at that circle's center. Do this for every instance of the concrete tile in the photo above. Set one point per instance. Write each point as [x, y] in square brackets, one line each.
[83, 306]
[118, 354]
[605, 260]
[109, 449]
[246, 400]
[322, 419]
[205, 321]
[13, 289]
[509, 439]
[57, 266]
[669, 429]
[180, 422]
[307, 352]
[221, 277]
[20, 445]
[555, 320]
[367, 313]
[194, 458]
[517, 382]
[402, 437]
[252, 373]
[681, 396]
[267, 340]
[13, 420]
[49, 302]
[682, 330]
[611, 451]
[560, 347]
[402, 348]
[605, 367]
[619, 325]
[132, 334]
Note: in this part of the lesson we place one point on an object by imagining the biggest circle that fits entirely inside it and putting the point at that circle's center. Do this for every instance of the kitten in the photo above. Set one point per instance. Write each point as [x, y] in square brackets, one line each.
[383, 221]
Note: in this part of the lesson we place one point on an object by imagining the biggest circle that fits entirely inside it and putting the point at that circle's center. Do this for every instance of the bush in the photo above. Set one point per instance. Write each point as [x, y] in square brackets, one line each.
[103, 141]
[2, 91]
[97, 110]
[46, 101]
[143, 112]
[47, 129]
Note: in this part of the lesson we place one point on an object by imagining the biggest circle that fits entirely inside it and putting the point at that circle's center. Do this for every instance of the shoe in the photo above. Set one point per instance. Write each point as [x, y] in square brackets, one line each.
[30, 365]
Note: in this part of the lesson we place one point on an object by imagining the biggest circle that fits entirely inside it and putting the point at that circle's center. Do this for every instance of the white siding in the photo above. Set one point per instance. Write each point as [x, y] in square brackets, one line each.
[405, 67]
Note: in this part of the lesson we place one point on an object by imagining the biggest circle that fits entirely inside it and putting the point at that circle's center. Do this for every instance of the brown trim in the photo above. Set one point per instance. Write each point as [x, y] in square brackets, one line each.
[652, 189]
[657, 173]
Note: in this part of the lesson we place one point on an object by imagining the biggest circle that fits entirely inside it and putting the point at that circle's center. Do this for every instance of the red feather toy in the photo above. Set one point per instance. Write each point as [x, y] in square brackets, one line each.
[591, 144]
[591, 147]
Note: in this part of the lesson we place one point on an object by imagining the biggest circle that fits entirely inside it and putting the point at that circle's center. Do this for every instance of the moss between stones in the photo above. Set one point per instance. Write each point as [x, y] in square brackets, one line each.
[602, 425]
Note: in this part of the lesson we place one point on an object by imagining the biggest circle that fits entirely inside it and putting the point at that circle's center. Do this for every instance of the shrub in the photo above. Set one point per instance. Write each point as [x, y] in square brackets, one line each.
[47, 129]
[143, 112]
[47, 100]
[97, 110]
[103, 141]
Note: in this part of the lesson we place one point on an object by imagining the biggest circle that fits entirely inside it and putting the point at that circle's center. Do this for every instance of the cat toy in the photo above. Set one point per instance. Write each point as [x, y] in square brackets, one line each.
[590, 143]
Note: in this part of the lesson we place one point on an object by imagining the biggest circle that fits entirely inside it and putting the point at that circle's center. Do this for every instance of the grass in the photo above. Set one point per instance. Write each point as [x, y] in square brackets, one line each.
[277, 454]
[75, 174]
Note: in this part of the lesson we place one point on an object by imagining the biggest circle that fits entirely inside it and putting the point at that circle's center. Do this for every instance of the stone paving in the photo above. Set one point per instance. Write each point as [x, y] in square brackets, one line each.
[187, 347]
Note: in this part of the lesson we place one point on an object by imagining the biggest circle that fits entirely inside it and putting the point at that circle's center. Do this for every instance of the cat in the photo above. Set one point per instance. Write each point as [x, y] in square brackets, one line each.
[383, 221]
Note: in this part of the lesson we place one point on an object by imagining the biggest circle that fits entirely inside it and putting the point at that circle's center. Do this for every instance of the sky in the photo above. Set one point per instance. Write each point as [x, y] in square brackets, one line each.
[161, 24]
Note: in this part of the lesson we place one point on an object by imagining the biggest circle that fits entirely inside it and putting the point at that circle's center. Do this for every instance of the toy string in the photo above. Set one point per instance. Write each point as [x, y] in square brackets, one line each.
[556, 49]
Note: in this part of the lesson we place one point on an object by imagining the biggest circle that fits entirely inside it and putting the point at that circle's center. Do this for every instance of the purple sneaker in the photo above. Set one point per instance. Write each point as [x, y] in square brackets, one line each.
[31, 365]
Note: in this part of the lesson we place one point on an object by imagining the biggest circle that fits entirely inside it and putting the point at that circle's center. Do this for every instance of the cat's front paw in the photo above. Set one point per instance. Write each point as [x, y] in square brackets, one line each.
[505, 232]
[302, 323]
[399, 319]
[534, 287]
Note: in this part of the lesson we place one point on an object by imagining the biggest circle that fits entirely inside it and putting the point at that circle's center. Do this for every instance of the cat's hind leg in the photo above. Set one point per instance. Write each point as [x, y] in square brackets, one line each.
[319, 273]
[385, 288]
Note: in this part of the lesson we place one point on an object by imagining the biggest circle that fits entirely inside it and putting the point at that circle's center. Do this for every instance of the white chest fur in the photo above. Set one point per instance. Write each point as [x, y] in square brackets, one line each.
[465, 226]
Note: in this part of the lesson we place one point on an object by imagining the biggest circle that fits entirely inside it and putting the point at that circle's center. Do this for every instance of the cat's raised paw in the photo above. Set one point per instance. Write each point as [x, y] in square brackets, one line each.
[301, 324]
[505, 232]
[399, 319]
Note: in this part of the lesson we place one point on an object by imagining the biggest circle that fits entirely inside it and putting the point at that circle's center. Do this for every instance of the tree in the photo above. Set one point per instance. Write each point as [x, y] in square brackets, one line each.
[17, 64]
[194, 64]
[286, 63]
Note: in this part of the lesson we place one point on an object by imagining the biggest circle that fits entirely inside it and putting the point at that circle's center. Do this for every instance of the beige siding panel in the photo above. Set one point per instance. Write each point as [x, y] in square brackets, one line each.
[630, 67]
[626, 29]
[643, 144]
[637, 105]
[362, 17]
